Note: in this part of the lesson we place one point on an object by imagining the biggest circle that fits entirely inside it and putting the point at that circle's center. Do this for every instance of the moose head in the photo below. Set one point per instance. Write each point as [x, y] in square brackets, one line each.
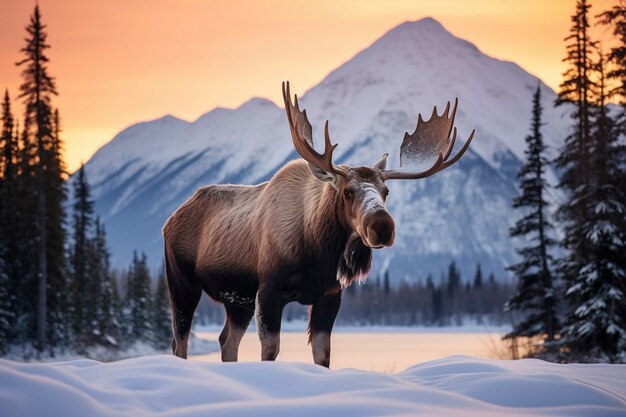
[362, 189]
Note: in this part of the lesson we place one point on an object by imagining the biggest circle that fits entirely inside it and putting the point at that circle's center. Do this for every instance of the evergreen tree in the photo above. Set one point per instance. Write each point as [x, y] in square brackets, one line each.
[595, 324]
[105, 319]
[138, 300]
[577, 88]
[7, 315]
[616, 73]
[83, 279]
[161, 310]
[386, 283]
[9, 278]
[454, 278]
[478, 278]
[8, 147]
[616, 16]
[535, 295]
[58, 280]
[36, 91]
[26, 247]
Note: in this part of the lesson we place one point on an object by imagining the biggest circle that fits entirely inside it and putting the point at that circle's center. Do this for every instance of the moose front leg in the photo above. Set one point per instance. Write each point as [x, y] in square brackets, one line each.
[321, 320]
[269, 310]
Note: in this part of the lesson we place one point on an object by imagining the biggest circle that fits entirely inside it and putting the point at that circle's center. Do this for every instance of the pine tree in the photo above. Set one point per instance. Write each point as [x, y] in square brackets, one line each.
[36, 90]
[386, 283]
[59, 332]
[596, 320]
[9, 279]
[577, 89]
[535, 296]
[138, 300]
[161, 314]
[616, 16]
[6, 313]
[454, 279]
[106, 320]
[478, 278]
[7, 145]
[83, 279]
[26, 247]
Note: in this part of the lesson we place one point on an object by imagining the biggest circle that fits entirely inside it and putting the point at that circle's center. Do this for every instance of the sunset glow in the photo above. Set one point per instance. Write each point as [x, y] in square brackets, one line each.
[119, 62]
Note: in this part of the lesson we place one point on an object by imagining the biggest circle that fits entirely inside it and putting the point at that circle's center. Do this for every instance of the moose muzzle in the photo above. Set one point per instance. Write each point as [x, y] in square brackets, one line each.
[379, 229]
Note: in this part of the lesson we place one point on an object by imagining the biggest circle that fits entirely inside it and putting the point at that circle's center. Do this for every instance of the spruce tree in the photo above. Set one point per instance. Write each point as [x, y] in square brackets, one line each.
[386, 283]
[577, 89]
[106, 320]
[595, 324]
[478, 278]
[7, 315]
[535, 296]
[454, 279]
[59, 332]
[83, 280]
[161, 314]
[616, 17]
[27, 229]
[616, 73]
[138, 300]
[8, 146]
[9, 278]
[577, 86]
[36, 91]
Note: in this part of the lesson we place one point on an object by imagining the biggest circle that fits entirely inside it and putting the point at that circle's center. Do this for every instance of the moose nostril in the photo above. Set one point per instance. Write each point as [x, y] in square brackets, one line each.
[383, 235]
[381, 227]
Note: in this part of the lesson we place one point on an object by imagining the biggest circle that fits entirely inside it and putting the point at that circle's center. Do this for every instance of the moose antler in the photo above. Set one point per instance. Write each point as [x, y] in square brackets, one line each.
[430, 141]
[302, 136]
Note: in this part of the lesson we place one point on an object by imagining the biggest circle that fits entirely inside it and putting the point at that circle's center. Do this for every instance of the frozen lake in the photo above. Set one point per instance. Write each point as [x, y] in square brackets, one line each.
[383, 350]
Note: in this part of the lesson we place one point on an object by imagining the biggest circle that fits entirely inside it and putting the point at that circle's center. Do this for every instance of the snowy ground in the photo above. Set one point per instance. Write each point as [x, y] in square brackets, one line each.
[28, 353]
[168, 386]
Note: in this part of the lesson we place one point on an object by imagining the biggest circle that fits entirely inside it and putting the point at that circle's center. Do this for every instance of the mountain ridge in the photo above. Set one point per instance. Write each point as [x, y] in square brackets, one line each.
[151, 167]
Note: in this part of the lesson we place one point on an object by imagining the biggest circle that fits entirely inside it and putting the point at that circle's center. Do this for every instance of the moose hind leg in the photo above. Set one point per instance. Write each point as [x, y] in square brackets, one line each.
[321, 320]
[237, 321]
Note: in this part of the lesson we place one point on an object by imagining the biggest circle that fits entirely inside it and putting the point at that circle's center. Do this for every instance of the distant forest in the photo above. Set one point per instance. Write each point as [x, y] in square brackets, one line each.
[447, 301]
[58, 292]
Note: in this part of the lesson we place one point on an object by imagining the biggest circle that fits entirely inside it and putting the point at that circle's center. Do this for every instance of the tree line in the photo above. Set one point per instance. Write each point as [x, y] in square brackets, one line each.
[449, 300]
[573, 301]
[57, 290]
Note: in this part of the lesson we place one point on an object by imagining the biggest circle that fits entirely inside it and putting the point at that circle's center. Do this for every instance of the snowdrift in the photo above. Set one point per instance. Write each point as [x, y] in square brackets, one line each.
[167, 386]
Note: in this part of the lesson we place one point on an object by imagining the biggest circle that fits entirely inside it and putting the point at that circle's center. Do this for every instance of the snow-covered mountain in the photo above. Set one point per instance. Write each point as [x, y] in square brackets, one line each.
[464, 213]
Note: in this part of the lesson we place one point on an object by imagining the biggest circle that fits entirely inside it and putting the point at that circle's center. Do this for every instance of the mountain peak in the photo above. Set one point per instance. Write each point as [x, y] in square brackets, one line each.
[426, 23]
[256, 102]
[426, 27]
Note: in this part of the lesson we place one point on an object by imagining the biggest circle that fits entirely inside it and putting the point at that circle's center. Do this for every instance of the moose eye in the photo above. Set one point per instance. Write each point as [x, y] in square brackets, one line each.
[347, 192]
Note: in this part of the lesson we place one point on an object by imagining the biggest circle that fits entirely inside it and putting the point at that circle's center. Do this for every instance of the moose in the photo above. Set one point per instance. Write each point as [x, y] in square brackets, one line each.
[304, 235]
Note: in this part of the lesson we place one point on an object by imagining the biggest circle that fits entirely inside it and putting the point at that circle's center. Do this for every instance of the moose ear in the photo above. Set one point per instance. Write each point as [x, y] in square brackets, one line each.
[382, 162]
[323, 176]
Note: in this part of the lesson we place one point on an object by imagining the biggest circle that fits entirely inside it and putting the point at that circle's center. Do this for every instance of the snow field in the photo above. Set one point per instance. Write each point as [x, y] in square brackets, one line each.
[167, 386]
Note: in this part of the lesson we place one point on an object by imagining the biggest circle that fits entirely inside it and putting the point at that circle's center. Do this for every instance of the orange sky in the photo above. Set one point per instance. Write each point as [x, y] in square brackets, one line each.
[122, 61]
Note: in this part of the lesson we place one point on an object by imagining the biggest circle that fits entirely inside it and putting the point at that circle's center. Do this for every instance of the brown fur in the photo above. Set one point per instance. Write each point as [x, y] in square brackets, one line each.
[294, 238]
